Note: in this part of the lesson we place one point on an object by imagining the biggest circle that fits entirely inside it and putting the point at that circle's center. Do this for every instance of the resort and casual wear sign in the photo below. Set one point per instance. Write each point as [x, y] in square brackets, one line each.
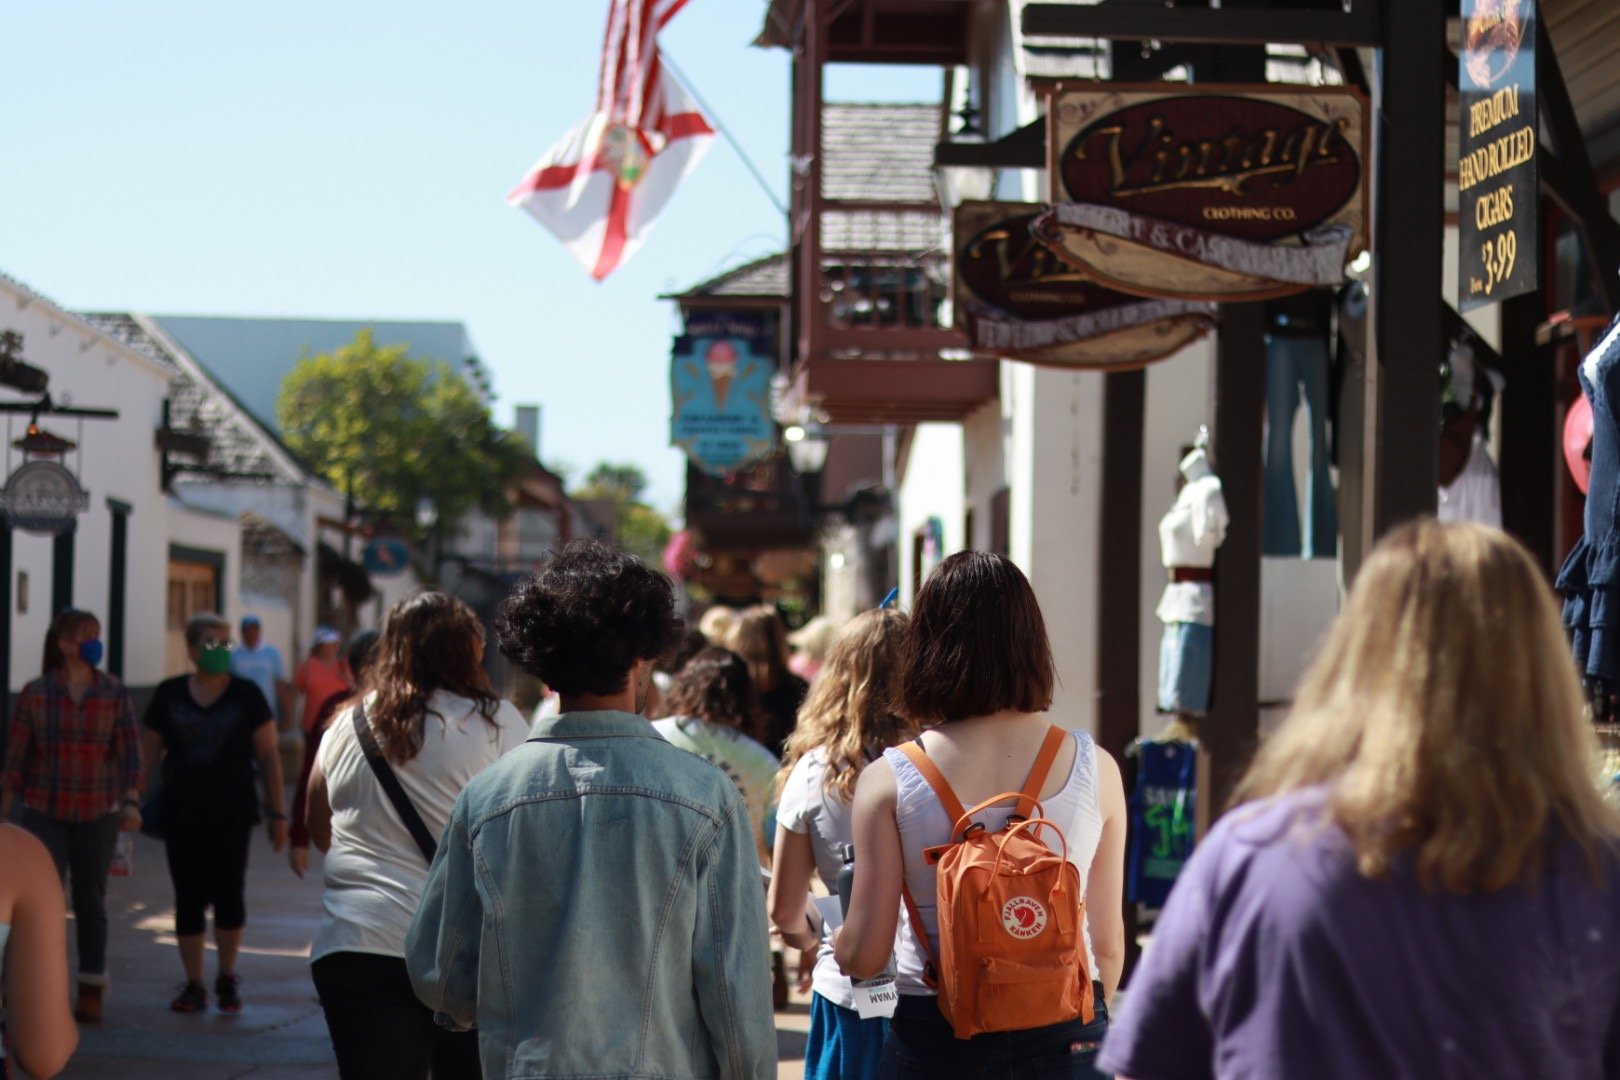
[1015, 298]
[1230, 194]
[1499, 213]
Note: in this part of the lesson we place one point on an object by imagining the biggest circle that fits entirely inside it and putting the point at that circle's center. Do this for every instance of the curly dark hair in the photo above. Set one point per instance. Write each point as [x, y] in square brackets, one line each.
[715, 686]
[589, 614]
[429, 642]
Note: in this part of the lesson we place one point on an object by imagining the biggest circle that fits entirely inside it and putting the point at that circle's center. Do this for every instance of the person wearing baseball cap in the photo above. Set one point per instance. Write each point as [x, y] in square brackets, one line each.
[261, 665]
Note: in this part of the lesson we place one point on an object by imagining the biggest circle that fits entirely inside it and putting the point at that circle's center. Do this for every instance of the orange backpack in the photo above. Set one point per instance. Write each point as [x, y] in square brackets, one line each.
[1011, 916]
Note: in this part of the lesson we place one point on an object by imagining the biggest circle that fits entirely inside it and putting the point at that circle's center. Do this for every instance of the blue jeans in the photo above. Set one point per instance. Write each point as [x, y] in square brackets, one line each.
[1295, 365]
[922, 1046]
[1186, 668]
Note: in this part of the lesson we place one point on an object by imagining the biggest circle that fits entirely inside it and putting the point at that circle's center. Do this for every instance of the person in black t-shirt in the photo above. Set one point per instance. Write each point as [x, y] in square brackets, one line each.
[211, 726]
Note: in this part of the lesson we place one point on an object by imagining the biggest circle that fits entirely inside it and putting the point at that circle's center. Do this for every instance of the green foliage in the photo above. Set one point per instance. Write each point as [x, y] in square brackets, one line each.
[394, 430]
[640, 529]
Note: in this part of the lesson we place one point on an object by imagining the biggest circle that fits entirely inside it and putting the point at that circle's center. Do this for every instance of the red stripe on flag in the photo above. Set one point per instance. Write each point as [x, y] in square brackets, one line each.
[613, 239]
[685, 126]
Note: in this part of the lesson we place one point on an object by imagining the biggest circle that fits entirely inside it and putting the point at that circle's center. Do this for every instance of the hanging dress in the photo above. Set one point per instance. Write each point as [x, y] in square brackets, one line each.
[1590, 579]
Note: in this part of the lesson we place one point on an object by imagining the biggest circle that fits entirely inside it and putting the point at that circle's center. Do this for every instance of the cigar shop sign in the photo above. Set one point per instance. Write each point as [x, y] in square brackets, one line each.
[1498, 207]
[720, 390]
[1228, 194]
[1015, 298]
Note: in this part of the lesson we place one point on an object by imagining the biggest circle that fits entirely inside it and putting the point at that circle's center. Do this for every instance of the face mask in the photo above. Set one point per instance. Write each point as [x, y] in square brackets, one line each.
[215, 660]
[90, 651]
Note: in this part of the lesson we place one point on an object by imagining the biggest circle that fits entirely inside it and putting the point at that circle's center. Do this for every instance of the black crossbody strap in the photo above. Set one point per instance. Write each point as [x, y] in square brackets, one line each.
[391, 785]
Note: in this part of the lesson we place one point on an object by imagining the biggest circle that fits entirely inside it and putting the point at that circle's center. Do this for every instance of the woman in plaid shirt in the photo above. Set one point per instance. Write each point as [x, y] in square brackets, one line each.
[73, 776]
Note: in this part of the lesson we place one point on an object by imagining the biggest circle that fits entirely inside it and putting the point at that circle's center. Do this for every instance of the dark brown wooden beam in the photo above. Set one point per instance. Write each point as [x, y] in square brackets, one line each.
[1208, 26]
[1408, 247]
[1024, 148]
[1530, 426]
[1230, 732]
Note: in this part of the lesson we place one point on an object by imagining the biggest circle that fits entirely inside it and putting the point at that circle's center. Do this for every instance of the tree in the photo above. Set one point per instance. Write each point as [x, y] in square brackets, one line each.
[641, 530]
[392, 430]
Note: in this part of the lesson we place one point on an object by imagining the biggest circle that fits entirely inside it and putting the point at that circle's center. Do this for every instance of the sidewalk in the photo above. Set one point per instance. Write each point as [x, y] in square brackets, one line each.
[280, 1033]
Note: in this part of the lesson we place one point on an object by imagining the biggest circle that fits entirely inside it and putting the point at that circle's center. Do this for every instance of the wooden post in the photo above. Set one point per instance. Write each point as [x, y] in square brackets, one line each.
[1229, 734]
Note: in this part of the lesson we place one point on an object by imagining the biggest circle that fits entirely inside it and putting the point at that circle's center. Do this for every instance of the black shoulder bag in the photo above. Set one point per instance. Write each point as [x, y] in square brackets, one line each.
[391, 785]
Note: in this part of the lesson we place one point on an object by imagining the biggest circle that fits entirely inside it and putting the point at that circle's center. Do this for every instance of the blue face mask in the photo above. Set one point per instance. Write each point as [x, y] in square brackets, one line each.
[90, 651]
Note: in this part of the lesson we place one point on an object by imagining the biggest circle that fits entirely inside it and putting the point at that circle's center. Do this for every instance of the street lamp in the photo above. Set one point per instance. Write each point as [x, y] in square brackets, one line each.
[806, 447]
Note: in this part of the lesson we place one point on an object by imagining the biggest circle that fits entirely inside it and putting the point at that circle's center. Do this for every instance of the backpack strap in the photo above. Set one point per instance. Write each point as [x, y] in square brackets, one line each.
[391, 786]
[936, 780]
[1040, 771]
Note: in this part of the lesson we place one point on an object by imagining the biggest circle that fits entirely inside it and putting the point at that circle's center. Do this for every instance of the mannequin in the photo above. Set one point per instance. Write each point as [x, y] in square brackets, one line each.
[1188, 538]
[1590, 579]
[1298, 330]
[1470, 488]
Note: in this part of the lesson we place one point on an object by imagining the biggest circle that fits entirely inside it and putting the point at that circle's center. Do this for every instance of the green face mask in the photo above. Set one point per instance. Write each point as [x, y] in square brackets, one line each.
[215, 660]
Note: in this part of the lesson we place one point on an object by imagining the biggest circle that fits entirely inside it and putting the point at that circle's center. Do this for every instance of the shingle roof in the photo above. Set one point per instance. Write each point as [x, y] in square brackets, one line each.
[879, 152]
[765, 278]
[238, 443]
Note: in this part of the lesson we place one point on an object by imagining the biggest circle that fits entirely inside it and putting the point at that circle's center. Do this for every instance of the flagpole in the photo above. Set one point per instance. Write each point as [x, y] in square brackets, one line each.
[724, 130]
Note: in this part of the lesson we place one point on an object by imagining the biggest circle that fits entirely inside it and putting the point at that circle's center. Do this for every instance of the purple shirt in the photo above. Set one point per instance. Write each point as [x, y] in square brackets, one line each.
[1275, 958]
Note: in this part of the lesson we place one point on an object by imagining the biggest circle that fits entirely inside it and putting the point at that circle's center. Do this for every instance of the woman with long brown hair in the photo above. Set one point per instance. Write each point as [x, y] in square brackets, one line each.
[1419, 878]
[849, 719]
[759, 637]
[73, 763]
[427, 719]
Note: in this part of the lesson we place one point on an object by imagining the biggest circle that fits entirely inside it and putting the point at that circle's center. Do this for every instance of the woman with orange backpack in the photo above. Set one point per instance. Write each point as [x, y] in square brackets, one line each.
[1014, 936]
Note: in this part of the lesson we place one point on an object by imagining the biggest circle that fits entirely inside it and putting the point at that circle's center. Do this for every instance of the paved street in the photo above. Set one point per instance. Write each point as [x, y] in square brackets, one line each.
[280, 1034]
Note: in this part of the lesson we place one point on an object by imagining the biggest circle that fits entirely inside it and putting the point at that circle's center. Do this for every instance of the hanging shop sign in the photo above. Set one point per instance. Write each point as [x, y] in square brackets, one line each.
[1015, 298]
[387, 557]
[1241, 193]
[720, 387]
[1498, 212]
[43, 497]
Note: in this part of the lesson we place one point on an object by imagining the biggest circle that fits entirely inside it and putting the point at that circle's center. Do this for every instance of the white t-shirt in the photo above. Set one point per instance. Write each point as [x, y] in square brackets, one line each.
[375, 873]
[805, 806]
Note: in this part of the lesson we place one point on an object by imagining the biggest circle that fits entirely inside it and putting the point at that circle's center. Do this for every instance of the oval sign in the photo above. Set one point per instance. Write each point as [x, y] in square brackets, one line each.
[1006, 268]
[1240, 166]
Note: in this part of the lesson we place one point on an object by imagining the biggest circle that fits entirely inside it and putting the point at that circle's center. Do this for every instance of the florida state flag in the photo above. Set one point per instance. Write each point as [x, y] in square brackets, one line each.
[601, 188]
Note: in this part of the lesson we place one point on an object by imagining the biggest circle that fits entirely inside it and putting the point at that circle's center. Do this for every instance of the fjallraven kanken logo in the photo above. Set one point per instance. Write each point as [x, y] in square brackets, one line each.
[1023, 917]
[1011, 917]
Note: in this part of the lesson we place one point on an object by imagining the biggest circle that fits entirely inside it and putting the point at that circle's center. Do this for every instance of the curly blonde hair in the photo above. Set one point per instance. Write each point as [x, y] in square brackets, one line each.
[850, 713]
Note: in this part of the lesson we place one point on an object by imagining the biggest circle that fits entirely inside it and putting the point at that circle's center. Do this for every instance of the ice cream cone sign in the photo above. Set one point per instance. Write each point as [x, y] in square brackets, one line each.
[722, 363]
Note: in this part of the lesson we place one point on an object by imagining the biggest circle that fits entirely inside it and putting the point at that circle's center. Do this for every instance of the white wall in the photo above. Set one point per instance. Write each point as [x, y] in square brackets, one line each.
[1054, 470]
[932, 488]
[216, 533]
[116, 460]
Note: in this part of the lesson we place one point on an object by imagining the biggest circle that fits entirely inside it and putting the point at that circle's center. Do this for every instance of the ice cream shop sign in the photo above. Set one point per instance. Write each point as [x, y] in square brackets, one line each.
[720, 391]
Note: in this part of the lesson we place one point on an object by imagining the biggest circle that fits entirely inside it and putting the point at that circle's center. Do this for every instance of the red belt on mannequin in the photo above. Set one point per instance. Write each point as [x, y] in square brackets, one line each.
[1178, 574]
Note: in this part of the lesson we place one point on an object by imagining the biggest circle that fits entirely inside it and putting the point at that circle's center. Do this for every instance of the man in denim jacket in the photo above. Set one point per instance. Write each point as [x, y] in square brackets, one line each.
[596, 907]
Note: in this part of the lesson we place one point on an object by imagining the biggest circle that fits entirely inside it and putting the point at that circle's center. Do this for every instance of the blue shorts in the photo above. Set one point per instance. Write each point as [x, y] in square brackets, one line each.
[842, 1046]
[1186, 665]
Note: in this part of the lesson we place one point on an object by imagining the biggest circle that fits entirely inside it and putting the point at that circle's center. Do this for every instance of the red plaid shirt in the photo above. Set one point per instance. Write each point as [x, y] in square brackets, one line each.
[73, 761]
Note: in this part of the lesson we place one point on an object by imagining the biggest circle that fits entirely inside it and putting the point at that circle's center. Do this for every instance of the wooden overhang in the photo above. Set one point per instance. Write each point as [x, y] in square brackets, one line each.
[928, 32]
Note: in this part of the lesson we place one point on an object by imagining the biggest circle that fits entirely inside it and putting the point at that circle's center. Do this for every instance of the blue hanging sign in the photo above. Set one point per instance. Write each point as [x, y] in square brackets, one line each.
[720, 389]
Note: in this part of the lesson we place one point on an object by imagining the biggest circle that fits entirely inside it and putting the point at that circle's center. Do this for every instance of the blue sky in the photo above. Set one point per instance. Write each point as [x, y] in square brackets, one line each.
[351, 160]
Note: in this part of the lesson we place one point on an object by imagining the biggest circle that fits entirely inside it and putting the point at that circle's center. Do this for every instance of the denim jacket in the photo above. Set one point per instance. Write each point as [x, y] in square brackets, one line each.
[596, 910]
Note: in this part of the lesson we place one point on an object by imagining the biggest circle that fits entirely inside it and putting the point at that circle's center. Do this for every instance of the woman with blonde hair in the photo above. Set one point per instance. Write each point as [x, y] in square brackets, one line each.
[848, 720]
[1419, 880]
[759, 637]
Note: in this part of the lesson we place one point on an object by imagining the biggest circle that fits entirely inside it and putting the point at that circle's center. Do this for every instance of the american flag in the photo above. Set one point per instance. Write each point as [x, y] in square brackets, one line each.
[601, 188]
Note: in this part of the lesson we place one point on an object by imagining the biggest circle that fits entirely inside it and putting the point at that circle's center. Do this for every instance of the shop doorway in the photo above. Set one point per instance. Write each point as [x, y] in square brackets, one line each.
[195, 579]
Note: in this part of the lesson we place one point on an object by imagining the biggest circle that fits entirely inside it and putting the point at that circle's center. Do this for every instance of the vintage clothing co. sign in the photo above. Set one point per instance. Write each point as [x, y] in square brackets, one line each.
[1499, 213]
[43, 497]
[1240, 193]
[1015, 298]
[720, 388]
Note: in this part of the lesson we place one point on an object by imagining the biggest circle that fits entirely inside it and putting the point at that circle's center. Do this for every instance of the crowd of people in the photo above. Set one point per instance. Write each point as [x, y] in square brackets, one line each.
[1415, 879]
